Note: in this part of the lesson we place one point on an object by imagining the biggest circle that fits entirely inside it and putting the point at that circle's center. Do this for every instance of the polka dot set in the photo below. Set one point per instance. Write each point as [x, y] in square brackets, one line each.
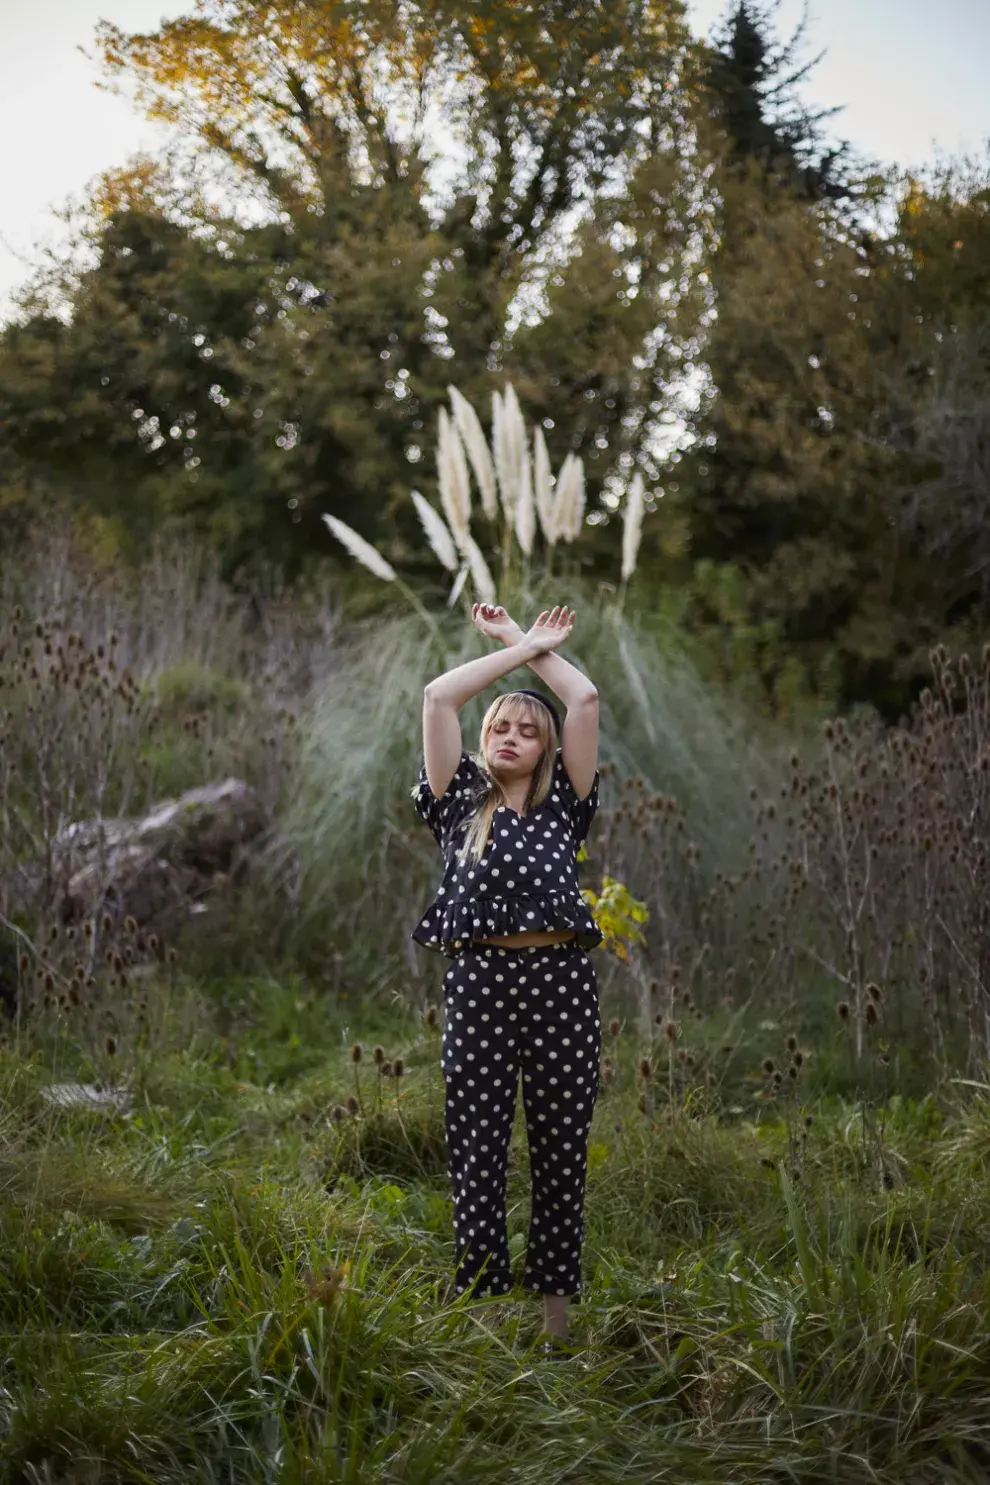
[532, 1009]
[527, 878]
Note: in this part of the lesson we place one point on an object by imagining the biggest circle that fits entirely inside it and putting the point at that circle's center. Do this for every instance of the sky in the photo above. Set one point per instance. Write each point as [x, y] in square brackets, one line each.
[912, 78]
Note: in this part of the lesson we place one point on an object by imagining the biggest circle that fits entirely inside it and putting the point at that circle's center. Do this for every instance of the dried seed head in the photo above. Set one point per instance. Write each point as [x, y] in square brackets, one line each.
[808, 1121]
[614, 1027]
[398, 1068]
[608, 1072]
[792, 1071]
[681, 1055]
[111, 1045]
[431, 1015]
[768, 1065]
[130, 925]
[842, 1010]
[792, 1042]
[106, 922]
[23, 962]
[171, 954]
[871, 1013]
[874, 992]
[645, 1069]
[670, 1031]
[357, 1052]
[798, 1058]
[778, 1078]
[352, 1104]
[378, 1055]
[386, 1069]
[338, 1113]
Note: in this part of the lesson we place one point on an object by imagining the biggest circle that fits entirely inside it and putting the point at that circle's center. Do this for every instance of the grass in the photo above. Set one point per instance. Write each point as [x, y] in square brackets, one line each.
[227, 1282]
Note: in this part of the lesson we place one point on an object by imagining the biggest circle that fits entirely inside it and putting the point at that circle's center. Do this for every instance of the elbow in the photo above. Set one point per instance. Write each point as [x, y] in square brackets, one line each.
[588, 697]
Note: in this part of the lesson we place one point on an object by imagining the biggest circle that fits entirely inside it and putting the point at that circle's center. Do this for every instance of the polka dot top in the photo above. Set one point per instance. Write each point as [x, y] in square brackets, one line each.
[526, 880]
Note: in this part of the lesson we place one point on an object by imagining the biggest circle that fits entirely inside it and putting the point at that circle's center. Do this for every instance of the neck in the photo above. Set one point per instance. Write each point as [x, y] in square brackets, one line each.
[516, 797]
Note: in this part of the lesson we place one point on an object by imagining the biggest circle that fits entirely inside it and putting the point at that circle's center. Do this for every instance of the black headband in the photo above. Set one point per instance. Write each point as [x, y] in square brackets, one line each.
[538, 695]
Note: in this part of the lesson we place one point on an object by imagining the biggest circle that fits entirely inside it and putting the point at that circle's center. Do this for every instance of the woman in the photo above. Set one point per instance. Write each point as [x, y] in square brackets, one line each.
[521, 991]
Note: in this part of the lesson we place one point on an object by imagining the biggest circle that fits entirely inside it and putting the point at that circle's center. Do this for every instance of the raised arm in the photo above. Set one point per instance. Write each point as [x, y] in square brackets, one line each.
[579, 735]
[443, 698]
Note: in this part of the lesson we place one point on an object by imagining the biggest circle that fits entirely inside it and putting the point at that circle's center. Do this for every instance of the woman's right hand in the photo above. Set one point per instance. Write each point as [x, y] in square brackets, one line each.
[550, 630]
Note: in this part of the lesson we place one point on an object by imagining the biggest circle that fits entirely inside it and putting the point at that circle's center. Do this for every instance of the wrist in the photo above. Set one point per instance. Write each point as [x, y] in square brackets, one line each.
[527, 650]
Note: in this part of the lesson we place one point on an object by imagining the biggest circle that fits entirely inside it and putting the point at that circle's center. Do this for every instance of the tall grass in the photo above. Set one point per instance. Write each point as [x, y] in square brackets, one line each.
[360, 867]
[215, 1286]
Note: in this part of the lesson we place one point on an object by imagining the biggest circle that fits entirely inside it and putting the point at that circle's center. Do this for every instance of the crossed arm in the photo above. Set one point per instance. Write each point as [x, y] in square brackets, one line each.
[444, 696]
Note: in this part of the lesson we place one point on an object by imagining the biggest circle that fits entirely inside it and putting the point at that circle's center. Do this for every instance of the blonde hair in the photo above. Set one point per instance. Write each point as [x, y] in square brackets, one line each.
[510, 706]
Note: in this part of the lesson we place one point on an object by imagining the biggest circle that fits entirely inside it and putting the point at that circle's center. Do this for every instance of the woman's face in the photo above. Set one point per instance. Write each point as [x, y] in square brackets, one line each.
[512, 747]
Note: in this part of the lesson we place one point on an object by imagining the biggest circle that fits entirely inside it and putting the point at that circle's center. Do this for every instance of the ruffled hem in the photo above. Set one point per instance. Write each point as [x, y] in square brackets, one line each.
[449, 928]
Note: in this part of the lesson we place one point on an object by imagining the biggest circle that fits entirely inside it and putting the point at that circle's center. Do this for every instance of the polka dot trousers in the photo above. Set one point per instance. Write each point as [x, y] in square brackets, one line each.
[534, 1008]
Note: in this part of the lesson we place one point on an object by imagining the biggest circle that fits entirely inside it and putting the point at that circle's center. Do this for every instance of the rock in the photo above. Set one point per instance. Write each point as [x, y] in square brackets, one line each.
[160, 869]
[87, 1096]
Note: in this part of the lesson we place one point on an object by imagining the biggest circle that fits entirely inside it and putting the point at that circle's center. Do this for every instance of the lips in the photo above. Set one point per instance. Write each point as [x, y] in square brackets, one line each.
[506, 752]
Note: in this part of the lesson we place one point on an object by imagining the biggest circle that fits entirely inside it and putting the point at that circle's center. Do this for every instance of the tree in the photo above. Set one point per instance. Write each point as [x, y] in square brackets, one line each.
[552, 243]
[801, 567]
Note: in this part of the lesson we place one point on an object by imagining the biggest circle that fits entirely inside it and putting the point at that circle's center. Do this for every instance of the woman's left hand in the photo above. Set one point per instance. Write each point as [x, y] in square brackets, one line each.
[493, 620]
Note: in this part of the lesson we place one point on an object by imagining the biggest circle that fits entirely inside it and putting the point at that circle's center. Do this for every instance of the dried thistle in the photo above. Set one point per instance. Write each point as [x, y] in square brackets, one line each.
[357, 1052]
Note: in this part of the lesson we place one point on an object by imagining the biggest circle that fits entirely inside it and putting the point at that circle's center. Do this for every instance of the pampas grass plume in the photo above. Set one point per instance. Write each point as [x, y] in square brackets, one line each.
[525, 513]
[569, 502]
[437, 533]
[452, 475]
[361, 550]
[483, 581]
[543, 487]
[632, 525]
[503, 454]
[478, 452]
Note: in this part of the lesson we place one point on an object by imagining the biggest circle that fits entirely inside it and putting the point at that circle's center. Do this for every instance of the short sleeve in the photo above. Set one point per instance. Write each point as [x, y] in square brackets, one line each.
[444, 815]
[581, 812]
